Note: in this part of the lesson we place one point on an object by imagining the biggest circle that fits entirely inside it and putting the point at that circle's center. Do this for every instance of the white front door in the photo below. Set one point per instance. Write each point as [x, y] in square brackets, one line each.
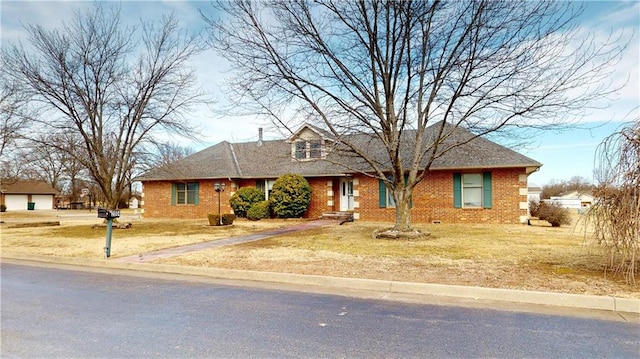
[346, 194]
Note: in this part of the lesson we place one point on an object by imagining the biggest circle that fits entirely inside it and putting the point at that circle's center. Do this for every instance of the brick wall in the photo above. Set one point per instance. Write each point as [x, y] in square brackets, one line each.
[432, 199]
[157, 200]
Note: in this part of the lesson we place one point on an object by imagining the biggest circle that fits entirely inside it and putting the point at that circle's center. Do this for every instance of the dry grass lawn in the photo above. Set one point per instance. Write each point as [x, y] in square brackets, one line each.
[502, 256]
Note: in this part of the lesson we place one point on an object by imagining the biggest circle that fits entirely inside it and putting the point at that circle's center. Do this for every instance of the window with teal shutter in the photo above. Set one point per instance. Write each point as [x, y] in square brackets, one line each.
[385, 198]
[457, 190]
[382, 194]
[472, 190]
[486, 189]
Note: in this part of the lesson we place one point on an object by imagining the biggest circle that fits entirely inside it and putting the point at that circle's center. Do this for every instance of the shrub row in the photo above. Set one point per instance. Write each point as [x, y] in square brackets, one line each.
[227, 219]
[289, 198]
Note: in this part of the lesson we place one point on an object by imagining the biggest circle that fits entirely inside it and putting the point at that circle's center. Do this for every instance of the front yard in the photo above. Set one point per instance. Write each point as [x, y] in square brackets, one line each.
[500, 256]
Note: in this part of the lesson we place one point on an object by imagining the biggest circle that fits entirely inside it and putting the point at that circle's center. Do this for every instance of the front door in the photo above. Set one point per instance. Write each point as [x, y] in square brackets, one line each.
[346, 194]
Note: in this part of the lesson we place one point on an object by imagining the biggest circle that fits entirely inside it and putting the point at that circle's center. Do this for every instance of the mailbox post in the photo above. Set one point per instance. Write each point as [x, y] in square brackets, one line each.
[219, 187]
[109, 216]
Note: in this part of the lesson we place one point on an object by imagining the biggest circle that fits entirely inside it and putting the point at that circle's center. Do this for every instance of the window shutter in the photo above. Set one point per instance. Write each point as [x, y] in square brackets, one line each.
[457, 190]
[486, 190]
[382, 194]
[173, 194]
[197, 192]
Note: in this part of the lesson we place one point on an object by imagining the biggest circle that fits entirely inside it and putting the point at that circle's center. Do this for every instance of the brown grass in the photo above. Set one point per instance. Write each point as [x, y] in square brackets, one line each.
[501, 256]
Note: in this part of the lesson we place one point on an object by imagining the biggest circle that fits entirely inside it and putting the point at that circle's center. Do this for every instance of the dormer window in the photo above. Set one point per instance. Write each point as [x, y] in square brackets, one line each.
[307, 150]
[309, 143]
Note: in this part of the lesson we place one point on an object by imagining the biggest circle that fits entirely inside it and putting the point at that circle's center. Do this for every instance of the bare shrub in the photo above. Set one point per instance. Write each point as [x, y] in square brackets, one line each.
[534, 208]
[554, 214]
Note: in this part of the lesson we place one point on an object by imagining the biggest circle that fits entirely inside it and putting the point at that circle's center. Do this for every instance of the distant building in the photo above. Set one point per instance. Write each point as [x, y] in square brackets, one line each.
[586, 200]
[22, 195]
[533, 193]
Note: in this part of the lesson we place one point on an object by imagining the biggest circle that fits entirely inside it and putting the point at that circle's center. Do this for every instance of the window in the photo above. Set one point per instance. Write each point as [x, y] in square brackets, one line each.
[385, 197]
[265, 186]
[315, 149]
[306, 150]
[472, 190]
[301, 150]
[184, 193]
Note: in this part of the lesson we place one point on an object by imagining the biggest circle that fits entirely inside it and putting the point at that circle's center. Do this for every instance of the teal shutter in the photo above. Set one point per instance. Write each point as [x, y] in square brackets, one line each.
[457, 190]
[486, 190]
[382, 193]
[173, 194]
[197, 192]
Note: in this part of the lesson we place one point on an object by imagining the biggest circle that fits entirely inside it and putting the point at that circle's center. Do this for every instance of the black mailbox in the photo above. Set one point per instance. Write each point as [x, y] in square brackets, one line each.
[103, 213]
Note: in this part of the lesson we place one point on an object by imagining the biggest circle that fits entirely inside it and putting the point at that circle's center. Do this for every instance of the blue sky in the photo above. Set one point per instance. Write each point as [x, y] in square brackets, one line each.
[563, 155]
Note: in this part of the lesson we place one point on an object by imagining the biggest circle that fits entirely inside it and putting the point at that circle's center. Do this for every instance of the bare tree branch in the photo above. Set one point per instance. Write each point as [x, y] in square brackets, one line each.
[116, 87]
[390, 69]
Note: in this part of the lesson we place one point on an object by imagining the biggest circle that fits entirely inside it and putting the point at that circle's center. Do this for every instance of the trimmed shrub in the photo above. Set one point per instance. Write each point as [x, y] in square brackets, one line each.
[244, 198]
[554, 214]
[258, 211]
[227, 219]
[290, 196]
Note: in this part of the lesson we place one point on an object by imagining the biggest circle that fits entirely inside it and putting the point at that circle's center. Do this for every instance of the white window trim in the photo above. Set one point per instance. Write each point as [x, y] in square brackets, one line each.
[464, 205]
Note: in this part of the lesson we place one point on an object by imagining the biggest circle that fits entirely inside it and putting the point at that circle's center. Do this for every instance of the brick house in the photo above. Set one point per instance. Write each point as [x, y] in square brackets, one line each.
[479, 181]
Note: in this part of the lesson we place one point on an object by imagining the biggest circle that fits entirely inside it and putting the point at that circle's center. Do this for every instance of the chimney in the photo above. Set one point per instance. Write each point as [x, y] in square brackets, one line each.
[259, 136]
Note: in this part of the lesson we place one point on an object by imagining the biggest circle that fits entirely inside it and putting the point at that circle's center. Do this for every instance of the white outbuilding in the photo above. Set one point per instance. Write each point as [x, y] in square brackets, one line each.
[22, 195]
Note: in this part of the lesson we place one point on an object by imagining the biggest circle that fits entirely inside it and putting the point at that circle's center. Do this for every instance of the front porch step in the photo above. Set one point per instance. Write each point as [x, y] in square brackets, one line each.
[340, 216]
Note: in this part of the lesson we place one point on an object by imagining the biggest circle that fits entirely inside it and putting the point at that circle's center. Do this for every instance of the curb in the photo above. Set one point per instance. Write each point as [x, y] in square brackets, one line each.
[581, 301]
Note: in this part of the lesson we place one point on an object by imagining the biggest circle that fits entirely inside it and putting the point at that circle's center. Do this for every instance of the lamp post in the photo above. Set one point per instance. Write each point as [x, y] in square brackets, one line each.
[219, 187]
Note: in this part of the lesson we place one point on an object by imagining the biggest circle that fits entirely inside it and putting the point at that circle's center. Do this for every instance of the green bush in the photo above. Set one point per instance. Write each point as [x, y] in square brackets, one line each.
[554, 214]
[227, 219]
[244, 198]
[258, 211]
[290, 196]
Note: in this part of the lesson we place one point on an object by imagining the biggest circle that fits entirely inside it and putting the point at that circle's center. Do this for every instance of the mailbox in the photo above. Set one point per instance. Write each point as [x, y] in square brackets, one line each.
[103, 213]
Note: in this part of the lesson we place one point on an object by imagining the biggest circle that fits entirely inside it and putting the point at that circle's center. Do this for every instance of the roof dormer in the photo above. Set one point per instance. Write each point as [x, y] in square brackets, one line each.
[309, 143]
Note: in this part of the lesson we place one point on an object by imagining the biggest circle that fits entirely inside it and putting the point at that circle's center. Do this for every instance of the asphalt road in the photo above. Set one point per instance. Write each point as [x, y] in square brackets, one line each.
[54, 313]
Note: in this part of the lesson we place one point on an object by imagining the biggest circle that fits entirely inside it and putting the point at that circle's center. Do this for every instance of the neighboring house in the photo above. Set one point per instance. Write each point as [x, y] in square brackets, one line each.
[26, 194]
[574, 200]
[480, 181]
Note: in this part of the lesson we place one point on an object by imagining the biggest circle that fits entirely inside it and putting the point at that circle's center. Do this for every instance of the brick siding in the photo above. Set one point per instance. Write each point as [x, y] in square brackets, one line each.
[432, 199]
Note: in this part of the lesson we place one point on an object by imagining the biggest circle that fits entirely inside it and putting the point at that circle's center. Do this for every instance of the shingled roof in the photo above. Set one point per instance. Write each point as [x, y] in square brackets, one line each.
[26, 187]
[270, 159]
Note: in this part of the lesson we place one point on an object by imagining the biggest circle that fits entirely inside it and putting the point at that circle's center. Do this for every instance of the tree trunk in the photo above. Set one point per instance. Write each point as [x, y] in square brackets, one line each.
[402, 196]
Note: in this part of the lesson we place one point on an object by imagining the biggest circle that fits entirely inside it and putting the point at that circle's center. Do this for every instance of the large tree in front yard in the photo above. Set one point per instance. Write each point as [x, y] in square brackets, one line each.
[391, 69]
[115, 87]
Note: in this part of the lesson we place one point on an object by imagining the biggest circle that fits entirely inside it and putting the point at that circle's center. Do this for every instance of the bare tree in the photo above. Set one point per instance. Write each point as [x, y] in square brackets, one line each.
[114, 86]
[169, 152]
[616, 213]
[391, 69]
[558, 188]
[12, 119]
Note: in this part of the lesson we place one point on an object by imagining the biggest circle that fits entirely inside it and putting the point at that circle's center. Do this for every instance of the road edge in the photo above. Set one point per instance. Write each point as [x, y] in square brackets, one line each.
[578, 301]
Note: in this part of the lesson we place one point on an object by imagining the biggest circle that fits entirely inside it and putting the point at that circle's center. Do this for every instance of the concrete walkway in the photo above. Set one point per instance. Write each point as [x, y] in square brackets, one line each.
[176, 251]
